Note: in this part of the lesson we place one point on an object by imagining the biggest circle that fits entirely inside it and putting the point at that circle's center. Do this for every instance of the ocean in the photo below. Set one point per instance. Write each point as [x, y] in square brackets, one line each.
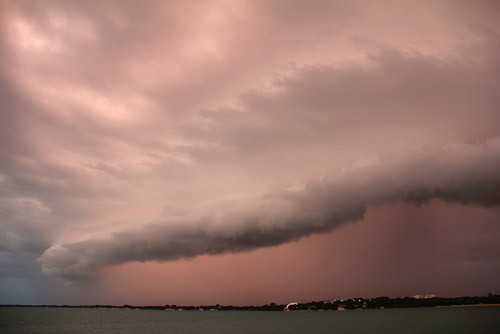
[484, 319]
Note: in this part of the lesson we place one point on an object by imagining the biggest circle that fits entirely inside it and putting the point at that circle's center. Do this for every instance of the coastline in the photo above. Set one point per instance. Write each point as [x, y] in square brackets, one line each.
[325, 305]
[469, 305]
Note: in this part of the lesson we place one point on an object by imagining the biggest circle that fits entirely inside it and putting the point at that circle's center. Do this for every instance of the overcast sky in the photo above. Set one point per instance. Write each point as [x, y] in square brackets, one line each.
[247, 152]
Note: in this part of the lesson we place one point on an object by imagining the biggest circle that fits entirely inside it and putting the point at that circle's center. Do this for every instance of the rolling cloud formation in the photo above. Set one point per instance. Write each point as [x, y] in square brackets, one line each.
[467, 174]
[166, 130]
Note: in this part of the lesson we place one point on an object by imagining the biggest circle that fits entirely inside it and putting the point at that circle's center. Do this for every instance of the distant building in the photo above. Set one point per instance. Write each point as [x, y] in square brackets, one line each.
[425, 296]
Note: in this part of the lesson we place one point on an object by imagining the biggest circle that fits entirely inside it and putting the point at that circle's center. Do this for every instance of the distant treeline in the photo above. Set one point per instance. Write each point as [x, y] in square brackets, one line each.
[347, 304]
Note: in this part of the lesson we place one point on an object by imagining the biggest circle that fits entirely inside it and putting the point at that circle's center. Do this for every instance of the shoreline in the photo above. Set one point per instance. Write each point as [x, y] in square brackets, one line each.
[325, 305]
[468, 305]
[240, 309]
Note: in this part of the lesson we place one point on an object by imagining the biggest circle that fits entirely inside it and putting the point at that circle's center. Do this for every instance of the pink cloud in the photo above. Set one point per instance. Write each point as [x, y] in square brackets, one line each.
[116, 116]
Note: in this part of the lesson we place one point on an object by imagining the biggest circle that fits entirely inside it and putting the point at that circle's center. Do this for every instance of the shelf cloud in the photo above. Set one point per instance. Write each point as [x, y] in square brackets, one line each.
[167, 130]
[466, 174]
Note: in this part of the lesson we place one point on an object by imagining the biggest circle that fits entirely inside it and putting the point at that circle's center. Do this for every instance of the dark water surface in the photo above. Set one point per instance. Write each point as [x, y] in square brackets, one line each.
[485, 319]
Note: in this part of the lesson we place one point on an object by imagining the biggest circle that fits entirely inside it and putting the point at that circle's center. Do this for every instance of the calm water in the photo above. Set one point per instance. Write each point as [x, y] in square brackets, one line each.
[423, 320]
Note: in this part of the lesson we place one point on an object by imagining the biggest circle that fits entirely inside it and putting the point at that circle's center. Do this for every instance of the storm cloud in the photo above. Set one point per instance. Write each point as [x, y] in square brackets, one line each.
[467, 174]
[161, 131]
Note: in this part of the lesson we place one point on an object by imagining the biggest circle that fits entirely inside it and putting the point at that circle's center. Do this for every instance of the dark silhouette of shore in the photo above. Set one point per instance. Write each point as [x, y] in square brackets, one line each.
[343, 304]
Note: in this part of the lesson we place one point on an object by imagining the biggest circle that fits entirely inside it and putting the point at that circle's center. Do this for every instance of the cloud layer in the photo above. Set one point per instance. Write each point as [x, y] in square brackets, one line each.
[167, 130]
[467, 175]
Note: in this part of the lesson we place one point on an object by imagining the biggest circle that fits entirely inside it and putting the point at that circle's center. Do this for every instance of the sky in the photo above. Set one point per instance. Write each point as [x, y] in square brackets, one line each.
[248, 152]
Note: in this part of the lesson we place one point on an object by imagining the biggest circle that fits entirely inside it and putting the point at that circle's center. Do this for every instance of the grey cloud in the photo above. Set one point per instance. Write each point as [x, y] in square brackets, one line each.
[66, 164]
[320, 118]
[398, 99]
[397, 90]
[468, 175]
